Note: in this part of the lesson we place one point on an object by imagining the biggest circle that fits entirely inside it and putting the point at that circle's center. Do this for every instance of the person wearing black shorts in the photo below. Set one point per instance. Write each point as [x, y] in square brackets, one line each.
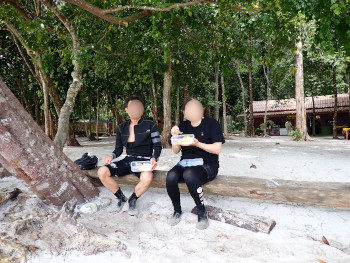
[141, 139]
[207, 146]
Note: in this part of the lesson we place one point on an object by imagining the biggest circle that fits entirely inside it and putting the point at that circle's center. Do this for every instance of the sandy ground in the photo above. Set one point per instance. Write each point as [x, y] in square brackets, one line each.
[296, 237]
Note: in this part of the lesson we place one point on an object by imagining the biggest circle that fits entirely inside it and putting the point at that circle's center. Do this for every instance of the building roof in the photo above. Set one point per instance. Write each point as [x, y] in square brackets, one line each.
[323, 104]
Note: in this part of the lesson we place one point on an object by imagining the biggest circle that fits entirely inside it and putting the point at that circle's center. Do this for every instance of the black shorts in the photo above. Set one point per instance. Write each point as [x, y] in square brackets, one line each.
[123, 167]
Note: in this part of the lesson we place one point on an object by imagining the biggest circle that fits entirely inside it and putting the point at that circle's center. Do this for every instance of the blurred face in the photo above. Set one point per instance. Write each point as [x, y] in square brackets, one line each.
[193, 110]
[135, 109]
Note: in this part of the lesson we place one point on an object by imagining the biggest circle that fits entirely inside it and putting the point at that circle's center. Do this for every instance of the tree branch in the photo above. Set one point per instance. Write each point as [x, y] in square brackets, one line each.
[150, 8]
[191, 34]
[97, 12]
[24, 57]
[19, 10]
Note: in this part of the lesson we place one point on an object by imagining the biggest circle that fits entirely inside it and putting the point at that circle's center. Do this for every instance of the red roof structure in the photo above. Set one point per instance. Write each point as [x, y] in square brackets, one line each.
[323, 104]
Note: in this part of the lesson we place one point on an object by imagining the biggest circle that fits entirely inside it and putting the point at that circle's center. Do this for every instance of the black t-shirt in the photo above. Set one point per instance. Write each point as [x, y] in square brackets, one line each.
[208, 132]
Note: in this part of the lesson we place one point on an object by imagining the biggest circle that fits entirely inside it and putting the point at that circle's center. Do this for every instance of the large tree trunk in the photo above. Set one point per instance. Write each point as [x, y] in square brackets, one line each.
[177, 113]
[37, 108]
[267, 76]
[43, 78]
[155, 103]
[224, 107]
[251, 129]
[97, 113]
[46, 104]
[167, 102]
[335, 113]
[27, 104]
[185, 91]
[243, 98]
[75, 86]
[299, 92]
[89, 134]
[52, 127]
[216, 96]
[28, 153]
[313, 117]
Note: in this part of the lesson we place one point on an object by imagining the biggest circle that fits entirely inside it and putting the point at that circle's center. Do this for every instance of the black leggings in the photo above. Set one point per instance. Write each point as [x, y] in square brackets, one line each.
[194, 177]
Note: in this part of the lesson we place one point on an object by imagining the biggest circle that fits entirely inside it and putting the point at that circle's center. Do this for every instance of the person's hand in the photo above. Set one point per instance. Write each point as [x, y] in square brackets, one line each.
[153, 163]
[195, 143]
[108, 160]
[175, 131]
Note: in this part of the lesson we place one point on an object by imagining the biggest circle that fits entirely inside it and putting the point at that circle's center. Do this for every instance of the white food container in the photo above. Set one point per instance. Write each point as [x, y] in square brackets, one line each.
[182, 139]
[141, 166]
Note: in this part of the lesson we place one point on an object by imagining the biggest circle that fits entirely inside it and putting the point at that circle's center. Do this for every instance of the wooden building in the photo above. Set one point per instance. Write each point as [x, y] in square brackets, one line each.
[281, 111]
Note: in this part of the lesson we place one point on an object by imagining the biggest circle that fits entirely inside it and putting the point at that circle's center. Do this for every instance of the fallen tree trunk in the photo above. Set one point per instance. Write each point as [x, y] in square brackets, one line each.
[27, 152]
[249, 222]
[330, 194]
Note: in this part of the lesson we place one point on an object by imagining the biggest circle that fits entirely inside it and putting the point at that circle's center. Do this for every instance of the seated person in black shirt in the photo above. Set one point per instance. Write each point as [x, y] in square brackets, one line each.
[207, 145]
[142, 141]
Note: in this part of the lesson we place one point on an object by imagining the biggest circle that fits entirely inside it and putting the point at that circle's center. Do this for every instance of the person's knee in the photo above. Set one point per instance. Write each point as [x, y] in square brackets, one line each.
[146, 178]
[189, 175]
[103, 173]
[172, 178]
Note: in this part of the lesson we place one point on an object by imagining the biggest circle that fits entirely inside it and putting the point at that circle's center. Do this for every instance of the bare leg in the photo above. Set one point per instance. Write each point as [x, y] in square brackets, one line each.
[145, 182]
[105, 176]
[347, 135]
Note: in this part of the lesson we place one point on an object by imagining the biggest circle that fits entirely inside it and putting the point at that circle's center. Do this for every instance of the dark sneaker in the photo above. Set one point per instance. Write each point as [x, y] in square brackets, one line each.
[120, 204]
[132, 206]
[203, 221]
[175, 219]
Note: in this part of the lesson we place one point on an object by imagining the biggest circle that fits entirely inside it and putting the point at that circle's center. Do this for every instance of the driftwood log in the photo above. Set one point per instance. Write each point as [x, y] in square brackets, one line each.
[249, 222]
[330, 194]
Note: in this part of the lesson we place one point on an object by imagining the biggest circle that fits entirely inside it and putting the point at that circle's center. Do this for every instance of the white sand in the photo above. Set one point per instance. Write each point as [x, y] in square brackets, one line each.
[296, 237]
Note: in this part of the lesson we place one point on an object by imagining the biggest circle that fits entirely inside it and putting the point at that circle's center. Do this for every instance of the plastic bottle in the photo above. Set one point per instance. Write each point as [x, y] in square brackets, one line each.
[191, 162]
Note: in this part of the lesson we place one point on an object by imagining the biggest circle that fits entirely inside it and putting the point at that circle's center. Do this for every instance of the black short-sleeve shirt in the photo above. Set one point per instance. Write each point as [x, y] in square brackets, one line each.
[208, 132]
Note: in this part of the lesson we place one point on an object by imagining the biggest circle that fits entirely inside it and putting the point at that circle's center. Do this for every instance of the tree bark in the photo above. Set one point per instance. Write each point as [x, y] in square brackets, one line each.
[186, 92]
[267, 76]
[243, 98]
[177, 113]
[251, 129]
[28, 153]
[155, 103]
[313, 117]
[299, 92]
[42, 77]
[335, 113]
[52, 127]
[37, 108]
[216, 96]
[224, 107]
[46, 104]
[97, 113]
[165, 137]
[90, 135]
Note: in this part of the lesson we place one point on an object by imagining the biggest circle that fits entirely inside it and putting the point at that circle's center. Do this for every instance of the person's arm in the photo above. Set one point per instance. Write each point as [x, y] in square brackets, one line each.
[156, 141]
[214, 148]
[176, 148]
[217, 139]
[175, 131]
[118, 148]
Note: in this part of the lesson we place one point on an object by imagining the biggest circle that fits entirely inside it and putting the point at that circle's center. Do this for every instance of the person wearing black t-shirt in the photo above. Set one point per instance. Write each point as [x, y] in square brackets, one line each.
[207, 145]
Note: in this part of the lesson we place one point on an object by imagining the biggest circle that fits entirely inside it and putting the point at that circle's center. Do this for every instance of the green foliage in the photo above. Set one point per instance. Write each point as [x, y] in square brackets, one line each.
[296, 134]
